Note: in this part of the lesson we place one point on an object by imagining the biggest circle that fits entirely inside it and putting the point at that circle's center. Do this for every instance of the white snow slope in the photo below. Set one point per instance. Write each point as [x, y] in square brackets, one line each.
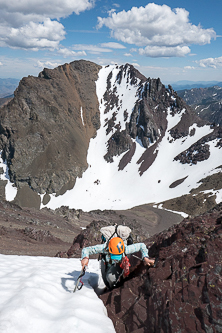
[103, 186]
[36, 296]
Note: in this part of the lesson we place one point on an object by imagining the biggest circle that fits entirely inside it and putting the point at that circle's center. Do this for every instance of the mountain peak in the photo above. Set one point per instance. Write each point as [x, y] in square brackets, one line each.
[103, 133]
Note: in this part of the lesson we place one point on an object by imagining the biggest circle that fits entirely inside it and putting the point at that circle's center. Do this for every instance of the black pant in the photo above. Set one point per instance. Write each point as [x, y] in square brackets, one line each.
[110, 274]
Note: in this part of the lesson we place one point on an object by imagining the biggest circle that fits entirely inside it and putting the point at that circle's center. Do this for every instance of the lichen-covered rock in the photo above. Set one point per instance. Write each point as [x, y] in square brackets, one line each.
[184, 292]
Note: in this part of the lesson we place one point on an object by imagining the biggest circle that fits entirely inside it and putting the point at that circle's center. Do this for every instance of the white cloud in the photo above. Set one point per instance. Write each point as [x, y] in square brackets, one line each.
[97, 49]
[113, 45]
[135, 64]
[36, 36]
[159, 26]
[127, 54]
[164, 51]
[189, 67]
[94, 49]
[69, 53]
[1, 64]
[32, 25]
[48, 64]
[45, 8]
[211, 62]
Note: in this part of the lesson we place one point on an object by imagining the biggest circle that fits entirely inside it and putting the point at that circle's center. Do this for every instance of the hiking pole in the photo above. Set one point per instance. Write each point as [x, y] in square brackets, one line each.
[79, 280]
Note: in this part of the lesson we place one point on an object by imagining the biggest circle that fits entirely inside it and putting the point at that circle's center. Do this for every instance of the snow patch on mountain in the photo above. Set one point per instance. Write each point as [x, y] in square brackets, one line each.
[82, 116]
[10, 189]
[36, 295]
[104, 186]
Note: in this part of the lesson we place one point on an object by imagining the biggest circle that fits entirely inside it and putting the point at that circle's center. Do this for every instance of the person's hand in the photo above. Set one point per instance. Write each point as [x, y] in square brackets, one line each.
[84, 262]
[149, 262]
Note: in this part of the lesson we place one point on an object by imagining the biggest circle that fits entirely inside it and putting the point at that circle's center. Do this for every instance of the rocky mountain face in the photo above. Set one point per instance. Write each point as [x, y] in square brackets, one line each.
[147, 122]
[206, 102]
[5, 100]
[45, 130]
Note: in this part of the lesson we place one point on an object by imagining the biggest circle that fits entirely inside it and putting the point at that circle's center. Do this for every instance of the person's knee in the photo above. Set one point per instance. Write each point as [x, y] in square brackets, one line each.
[113, 275]
[111, 279]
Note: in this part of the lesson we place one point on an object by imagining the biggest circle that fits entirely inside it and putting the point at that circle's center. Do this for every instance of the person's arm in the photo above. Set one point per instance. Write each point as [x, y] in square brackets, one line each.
[144, 251]
[87, 251]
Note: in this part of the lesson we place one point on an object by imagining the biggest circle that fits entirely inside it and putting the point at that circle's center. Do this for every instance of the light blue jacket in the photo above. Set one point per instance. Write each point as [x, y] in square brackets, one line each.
[102, 248]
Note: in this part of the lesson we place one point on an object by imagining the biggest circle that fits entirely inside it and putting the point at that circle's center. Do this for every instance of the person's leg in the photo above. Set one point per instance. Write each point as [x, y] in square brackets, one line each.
[103, 271]
[113, 274]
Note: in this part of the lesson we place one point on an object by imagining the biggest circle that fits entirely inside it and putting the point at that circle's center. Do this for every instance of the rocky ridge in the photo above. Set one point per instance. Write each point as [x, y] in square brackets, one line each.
[184, 292]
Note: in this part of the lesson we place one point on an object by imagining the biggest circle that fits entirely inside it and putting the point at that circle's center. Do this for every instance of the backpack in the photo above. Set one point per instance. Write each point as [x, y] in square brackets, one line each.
[121, 231]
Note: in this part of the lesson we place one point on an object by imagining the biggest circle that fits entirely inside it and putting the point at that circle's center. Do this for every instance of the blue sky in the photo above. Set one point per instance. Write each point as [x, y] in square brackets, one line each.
[173, 39]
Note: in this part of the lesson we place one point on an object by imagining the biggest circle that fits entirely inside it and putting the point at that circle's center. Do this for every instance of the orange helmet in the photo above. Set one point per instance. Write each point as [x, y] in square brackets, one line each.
[116, 245]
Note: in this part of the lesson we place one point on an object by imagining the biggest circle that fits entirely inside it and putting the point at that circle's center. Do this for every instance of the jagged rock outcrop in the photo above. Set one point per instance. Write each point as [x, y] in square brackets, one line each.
[184, 292]
[45, 130]
[146, 120]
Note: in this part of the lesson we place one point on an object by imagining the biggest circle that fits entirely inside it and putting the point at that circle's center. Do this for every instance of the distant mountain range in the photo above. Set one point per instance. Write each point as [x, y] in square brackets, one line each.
[93, 137]
[7, 87]
[206, 102]
[184, 84]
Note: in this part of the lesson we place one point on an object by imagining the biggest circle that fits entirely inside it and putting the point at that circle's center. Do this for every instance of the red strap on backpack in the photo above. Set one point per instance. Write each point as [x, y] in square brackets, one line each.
[125, 265]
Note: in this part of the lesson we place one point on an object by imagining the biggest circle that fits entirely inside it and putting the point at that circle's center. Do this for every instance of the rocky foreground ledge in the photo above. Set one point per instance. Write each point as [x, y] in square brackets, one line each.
[184, 292]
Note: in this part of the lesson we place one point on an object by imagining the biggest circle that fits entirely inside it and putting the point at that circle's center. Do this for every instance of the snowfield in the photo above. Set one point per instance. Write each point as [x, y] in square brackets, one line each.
[36, 295]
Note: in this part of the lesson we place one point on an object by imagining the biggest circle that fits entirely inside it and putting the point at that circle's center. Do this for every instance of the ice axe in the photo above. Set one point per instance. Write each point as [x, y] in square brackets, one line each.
[79, 280]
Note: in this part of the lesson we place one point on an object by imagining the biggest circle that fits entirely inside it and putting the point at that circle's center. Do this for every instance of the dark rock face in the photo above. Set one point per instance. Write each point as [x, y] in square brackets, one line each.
[184, 292]
[45, 130]
[5, 100]
[194, 154]
[200, 150]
